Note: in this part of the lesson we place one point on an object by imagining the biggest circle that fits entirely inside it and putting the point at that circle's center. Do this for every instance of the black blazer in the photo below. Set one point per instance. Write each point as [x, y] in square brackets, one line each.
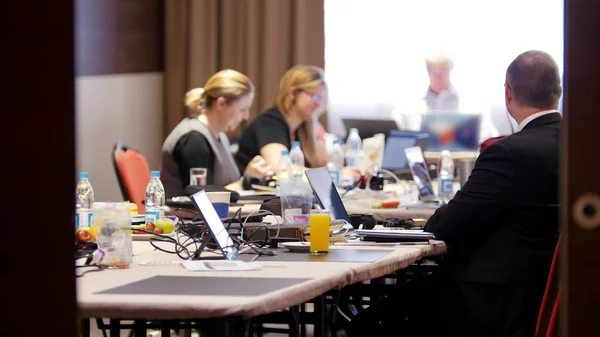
[501, 229]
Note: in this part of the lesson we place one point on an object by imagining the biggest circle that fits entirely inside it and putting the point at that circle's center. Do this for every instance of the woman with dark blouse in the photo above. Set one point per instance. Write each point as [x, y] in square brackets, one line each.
[292, 118]
[199, 141]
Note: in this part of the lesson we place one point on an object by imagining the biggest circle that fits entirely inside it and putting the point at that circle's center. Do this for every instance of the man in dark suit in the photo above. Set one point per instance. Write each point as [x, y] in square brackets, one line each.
[501, 228]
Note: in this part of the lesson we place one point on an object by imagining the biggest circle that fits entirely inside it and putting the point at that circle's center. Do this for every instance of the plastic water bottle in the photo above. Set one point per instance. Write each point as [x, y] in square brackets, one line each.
[84, 195]
[336, 162]
[353, 149]
[155, 198]
[296, 195]
[446, 175]
[283, 171]
[297, 158]
[296, 155]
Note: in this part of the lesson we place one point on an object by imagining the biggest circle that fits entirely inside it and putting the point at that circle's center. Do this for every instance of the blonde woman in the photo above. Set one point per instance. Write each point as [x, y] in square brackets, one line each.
[292, 118]
[199, 141]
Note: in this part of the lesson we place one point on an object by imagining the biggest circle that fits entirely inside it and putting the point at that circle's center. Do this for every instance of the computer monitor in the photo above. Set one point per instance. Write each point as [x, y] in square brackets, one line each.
[452, 131]
[326, 193]
[418, 168]
[213, 221]
[394, 158]
[367, 128]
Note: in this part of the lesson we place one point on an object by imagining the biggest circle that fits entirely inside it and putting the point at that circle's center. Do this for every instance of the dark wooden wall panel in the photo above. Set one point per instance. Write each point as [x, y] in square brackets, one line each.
[38, 185]
[580, 255]
[118, 36]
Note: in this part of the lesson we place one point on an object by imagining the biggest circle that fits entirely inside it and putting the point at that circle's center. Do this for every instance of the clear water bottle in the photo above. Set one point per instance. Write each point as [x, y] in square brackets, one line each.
[296, 155]
[84, 195]
[155, 198]
[336, 162]
[353, 149]
[297, 158]
[446, 175]
[295, 193]
[283, 171]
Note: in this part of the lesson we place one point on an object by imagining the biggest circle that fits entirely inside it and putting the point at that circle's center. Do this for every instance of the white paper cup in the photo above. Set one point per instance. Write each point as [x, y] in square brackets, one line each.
[220, 201]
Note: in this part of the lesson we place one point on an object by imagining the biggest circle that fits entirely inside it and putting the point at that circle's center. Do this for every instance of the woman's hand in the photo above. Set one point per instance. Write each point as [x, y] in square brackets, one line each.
[259, 168]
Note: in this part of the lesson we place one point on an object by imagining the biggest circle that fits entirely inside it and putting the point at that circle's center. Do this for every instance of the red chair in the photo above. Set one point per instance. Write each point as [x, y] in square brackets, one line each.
[133, 174]
[489, 142]
[548, 316]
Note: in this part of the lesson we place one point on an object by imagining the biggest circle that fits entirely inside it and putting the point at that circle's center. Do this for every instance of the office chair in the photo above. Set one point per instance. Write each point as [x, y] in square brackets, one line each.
[133, 174]
[548, 316]
[489, 142]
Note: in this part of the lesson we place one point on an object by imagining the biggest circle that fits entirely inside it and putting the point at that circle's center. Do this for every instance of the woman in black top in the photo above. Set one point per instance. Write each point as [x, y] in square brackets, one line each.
[199, 141]
[292, 118]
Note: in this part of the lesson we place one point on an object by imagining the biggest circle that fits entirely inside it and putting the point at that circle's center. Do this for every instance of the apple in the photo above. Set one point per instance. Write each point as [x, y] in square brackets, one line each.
[83, 235]
[138, 232]
[150, 226]
[166, 224]
[158, 231]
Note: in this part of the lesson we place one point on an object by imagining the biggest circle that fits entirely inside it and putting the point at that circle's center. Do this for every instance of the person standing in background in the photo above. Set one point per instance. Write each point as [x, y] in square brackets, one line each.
[443, 97]
[441, 94]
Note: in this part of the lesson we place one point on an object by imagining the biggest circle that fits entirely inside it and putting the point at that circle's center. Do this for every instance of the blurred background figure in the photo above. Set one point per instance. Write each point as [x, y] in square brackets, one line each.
[441, 94]
[442, 97]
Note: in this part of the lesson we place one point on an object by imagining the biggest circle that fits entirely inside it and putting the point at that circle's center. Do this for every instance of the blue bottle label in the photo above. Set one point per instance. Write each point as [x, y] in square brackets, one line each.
[83, 219]
[446, 186]
[152, 216]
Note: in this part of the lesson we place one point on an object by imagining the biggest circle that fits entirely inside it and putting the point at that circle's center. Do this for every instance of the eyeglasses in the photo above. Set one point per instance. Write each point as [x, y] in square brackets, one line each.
[316, 97]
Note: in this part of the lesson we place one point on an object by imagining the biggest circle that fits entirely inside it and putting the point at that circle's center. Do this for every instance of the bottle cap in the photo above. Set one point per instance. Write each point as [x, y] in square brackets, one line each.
[284, 152]
[295, 144]
[83, 175]
[155, 174]
[337, 141]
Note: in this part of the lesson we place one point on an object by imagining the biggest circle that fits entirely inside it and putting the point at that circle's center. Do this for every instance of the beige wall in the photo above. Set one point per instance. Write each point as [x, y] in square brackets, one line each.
[109, 108]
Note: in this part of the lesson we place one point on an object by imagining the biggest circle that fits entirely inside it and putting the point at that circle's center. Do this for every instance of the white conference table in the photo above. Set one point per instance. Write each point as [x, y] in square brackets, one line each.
[312, 280]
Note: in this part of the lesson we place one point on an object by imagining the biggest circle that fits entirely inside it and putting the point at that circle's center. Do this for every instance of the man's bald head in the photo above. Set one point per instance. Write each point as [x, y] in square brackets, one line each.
[534, 80]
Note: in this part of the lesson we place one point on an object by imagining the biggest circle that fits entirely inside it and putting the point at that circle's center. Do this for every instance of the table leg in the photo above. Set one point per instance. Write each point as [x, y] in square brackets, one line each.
[85, 327]
[114, 327]
[166, 329]
[140, 328]
[320, 314]
[302, 324]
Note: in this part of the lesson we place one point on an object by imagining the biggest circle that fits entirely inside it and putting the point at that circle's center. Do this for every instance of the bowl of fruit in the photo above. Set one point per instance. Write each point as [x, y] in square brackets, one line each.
[163, 226]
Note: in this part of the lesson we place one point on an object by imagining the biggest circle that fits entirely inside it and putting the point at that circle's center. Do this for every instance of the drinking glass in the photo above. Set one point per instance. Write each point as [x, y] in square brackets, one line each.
[198, 176]
[320, 222]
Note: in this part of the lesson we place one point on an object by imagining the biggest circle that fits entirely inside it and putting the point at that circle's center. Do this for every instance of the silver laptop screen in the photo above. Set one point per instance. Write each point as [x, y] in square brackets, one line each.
[218, 230]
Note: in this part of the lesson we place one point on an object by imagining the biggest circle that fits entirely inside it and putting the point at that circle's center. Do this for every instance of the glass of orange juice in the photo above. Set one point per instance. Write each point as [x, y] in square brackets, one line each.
[320, 221]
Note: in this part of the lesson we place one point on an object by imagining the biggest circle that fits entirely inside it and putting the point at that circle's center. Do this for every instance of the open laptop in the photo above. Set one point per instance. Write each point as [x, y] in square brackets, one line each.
[394, 158]
[367, 128]
[330, 199]
[217, 228]
[418, 168]
[452, 131]
[327, 195]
